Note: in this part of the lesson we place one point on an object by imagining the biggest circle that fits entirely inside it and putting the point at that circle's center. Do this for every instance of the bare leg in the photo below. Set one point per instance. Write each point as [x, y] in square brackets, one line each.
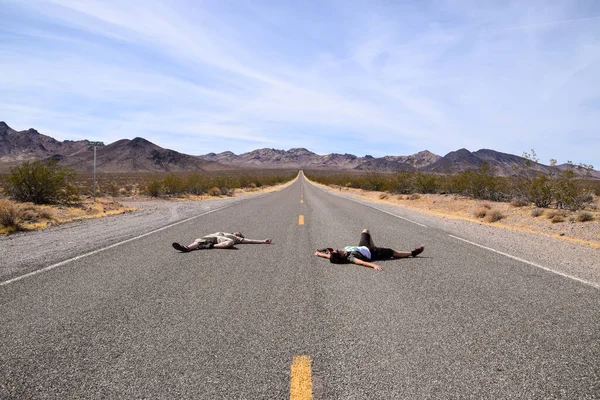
[195, 244]
[227, 244]
[401, 254]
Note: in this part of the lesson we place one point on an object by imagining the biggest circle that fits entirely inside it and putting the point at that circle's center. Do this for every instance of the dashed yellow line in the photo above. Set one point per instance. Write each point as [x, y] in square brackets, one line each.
[301, 220]
[301, 379]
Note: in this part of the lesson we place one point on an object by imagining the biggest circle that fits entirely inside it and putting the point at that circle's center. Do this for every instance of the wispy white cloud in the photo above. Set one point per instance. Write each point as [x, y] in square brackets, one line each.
[364, 78]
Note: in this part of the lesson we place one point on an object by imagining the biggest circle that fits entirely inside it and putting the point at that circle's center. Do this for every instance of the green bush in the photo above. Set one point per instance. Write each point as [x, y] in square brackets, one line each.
[173, 184]
[154, 188]
[427, 183]
[42, 182]
[540, 191]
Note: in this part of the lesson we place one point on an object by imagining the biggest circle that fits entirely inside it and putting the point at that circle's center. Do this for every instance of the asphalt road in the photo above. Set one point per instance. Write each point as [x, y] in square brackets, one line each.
[141, 321]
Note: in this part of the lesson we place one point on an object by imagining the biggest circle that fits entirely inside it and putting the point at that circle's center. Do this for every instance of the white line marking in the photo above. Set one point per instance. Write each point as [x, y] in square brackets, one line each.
[378, 209]
[50, 267]
[593, 284]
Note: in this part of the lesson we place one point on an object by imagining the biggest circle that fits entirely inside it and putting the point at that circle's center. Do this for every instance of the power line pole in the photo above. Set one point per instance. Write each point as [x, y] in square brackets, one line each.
[94, 145]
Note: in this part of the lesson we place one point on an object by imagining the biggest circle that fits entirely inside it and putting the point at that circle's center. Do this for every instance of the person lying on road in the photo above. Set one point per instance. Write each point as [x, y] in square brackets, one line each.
[218, 240]
[364, 253]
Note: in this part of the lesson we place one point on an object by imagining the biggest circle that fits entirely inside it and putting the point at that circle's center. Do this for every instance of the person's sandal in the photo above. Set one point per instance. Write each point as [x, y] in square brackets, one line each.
[182, 248]
[417, 251]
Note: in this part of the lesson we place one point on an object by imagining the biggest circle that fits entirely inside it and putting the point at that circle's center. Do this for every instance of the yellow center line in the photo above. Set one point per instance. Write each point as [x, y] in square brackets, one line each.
[301, 379]
[301, 220]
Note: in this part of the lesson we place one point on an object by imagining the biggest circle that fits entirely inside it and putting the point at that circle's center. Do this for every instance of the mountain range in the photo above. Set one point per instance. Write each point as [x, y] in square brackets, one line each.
[140, 155]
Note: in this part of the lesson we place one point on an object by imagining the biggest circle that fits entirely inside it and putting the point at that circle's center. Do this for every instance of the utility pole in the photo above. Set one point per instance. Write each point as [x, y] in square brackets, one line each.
[94, 145]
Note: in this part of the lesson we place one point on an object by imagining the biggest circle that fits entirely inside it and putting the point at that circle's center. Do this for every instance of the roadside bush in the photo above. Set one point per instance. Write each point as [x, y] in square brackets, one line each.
[539, 191]
[42, 182]
[493, 216]
[427, 183]
[154, 189]
[214, 191]
[402, 183]
[173, 184]
[481, 212]
[519, 202]
[585, 216]
[556, 216]
[10, 214]
[536, 212]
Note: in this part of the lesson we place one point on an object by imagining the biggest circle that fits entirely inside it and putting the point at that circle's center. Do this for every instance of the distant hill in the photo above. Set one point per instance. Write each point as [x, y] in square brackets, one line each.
[140, 155]
[137, 155]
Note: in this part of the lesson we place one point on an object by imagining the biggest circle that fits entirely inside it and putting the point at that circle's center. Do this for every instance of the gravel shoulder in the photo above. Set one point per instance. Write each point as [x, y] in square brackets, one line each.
[25, 252]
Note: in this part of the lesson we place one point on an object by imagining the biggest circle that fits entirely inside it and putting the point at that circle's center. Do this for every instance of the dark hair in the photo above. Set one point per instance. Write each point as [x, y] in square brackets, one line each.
[336, 258]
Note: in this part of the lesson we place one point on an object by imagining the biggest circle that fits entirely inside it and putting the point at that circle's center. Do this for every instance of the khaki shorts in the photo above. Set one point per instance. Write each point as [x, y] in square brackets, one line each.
[215, 239]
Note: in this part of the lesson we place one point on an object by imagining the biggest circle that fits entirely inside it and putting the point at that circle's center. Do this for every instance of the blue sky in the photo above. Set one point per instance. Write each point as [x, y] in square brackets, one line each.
[361, 77]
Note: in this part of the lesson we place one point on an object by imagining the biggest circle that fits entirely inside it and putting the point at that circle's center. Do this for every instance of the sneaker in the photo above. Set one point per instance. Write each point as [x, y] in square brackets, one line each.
[205, 245]
[417, 251]
[181, 248]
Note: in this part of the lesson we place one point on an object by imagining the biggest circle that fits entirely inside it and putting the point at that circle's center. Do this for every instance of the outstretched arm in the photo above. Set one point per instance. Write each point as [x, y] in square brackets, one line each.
[367, 264]
[320, 254]
[256, 241]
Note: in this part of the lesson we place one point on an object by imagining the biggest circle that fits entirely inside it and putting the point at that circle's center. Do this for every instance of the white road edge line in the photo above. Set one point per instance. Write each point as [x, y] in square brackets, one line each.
[595, 285]
[50, 267]
[373, 207]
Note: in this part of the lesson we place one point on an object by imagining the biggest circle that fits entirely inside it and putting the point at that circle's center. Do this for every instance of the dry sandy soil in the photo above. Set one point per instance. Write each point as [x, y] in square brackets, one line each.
[512, 218]
[450, 206]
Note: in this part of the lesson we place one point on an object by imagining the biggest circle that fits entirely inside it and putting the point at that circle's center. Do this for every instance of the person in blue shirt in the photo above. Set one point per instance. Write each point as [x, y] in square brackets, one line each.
[364, 253]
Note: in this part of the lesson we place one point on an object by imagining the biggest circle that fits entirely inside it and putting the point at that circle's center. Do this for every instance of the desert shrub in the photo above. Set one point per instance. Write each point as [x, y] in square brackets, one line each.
[42, 182]
[536, 212]
[585, 216]
[173, 184]
[10, 214]
[556, 216]
[154, 188]
[539, 191]
[402, 182]
[519, 202]
[215, 191]
[493, 216]
[481, 212]
[109, 188]
[427, 183]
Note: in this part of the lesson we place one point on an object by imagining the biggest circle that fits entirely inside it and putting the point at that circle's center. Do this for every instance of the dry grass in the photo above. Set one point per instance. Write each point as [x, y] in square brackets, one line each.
[10, 215]
[519, 203]
[585, 216]
[536, 212]
[481, 212]
[494, 216]
[522, 219]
